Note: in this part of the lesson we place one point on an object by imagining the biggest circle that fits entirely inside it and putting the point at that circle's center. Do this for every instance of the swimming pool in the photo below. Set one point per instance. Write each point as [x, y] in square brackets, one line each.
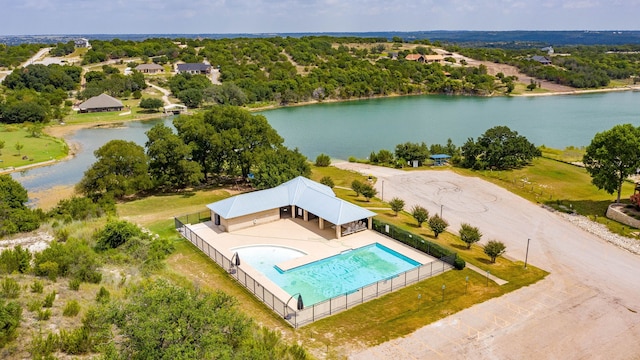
[329, 277]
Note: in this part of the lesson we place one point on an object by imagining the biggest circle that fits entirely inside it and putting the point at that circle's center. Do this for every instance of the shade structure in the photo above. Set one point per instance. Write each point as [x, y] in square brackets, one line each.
[300, 303]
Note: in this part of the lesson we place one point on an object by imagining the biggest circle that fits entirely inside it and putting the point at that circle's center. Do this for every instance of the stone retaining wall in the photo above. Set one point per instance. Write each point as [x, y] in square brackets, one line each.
[614, 212]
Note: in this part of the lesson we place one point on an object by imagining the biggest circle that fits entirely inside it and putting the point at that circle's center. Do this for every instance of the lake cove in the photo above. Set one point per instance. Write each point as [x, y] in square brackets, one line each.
[356, 128]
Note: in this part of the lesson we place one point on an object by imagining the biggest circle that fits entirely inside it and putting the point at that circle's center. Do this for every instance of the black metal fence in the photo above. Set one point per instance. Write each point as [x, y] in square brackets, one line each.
[419, 243]
[297, 318]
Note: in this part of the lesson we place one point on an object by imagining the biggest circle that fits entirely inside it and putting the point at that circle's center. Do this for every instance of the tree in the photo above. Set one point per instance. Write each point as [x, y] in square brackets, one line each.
[356, 185]
[121, 169]
[326, 180]
[532, 85]
[19, 147]
[274, 167]
[1, 146]
[612, 156]
[420, 214]
[191, 97]
[368, 191]
[15, 216]
[323, 160]
[10, 316]
[493, 249]
[412, 151]
[151, 103]
[170, 164]
[397, 205]
[499, 148]
[469, 234]
[438, 225]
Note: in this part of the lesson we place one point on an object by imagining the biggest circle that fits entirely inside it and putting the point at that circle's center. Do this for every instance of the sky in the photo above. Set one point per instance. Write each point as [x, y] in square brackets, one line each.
[30, 17]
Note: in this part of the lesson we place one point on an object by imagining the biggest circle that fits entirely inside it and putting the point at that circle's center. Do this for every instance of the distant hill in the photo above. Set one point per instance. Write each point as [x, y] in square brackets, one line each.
[510, 39]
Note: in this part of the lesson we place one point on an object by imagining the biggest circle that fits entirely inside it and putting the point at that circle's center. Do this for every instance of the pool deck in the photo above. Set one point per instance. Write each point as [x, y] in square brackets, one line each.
[300, 235]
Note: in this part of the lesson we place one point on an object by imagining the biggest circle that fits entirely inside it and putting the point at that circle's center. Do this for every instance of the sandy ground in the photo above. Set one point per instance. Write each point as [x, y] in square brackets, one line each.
[587, 308]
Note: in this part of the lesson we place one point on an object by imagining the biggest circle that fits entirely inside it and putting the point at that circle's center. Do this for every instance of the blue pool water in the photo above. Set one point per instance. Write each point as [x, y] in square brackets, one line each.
[330, 277]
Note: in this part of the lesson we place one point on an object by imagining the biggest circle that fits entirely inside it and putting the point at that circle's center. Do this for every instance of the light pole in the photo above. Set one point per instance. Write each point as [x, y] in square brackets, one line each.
[488, 272]
[466, 288]
[443, 292]
[526, 256]
[382, 194]
[441, 210]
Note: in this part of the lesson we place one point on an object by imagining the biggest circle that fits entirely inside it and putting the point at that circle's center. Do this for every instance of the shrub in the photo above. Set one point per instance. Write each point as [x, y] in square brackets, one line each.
[49, 299]
[34, 305]
[116, 233]
[42, 348]
[459, 264]
[44, 314]
[10, 288]
[397, 205]
[368, 191]
[15, 260]
[323, 160]
[356, 185]
[72, 308]
[10, 315]
[37, 287]
[74, 284]
[73, 258]
[469, 234]
[103, 295]
[328, 181]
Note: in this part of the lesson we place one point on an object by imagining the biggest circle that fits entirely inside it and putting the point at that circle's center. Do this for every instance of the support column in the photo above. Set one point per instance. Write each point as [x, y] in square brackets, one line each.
[305, 215]
[321, 223]
[338, 231]
[369, 223]
[293, 211]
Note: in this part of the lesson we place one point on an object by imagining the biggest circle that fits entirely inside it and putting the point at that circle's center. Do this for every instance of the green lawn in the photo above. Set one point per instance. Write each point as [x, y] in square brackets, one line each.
[40, 149]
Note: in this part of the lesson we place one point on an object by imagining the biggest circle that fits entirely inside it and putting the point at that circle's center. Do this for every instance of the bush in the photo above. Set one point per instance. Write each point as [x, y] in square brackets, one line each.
[116, 233]
[72, 308]
[494, 249]
[34, 305]
[73, 258]
[37, 287]
[323, 160]
[415, 241]
[103, 295]
[459, 264]
[10, 315]
[10, 288]
[15, 260]
[44, 314]
[438, 225]
[42, 348]
[49, 299]
[420, 214]
[74, 284]
[326, 180]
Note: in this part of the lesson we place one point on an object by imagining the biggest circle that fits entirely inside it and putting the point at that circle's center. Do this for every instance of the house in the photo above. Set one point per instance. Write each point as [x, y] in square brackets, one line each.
[298, 198]
[415, 57]
[549, 50]
[194, 68]
[541, 59]
[101, 103]
[82, 43]
[150, 68]
[433, 58]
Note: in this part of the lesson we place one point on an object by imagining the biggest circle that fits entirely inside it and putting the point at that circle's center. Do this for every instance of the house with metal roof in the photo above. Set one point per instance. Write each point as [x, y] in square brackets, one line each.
[100, 103]
[193, 68]
[298, 198]
[541, 59]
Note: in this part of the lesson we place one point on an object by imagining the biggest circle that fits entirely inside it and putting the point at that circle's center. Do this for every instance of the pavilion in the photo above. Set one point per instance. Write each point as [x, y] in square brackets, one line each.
[298, 198]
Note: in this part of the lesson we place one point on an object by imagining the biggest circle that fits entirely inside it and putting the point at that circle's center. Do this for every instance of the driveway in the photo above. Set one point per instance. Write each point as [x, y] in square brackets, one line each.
[588, 307]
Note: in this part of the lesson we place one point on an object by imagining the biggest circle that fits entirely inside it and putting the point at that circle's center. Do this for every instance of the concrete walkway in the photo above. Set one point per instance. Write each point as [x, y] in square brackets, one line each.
[493, 278]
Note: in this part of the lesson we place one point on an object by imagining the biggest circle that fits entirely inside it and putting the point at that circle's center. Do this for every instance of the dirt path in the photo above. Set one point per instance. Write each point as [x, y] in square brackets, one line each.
[165, 93]
[586, 308]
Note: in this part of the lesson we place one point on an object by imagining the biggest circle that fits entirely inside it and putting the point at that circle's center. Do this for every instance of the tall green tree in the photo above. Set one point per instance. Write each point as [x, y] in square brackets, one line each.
[612, 156]
[274, 167]
[420, 214]
[438, 225]
[499, 148]
[170, 164]
[494, 248]
[15, 216]
[412, 151]
[121, 169]
[397, 205]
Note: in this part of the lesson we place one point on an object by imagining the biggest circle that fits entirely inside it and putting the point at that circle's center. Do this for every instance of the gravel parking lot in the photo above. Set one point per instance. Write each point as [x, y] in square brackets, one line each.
[587, 308]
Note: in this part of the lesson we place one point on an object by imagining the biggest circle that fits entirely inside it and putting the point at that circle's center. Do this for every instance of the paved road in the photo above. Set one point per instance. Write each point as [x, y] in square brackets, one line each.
[587, 308]
[31, 60]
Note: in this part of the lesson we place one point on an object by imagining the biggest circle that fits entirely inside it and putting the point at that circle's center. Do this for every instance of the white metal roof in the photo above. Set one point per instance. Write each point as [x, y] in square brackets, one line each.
[314, 197]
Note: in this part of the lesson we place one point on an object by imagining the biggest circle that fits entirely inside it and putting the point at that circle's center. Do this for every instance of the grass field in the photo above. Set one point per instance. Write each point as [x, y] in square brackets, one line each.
[36, 150]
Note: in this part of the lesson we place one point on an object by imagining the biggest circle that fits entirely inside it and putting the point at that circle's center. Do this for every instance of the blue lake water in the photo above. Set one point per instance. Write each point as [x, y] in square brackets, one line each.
[356, 128]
